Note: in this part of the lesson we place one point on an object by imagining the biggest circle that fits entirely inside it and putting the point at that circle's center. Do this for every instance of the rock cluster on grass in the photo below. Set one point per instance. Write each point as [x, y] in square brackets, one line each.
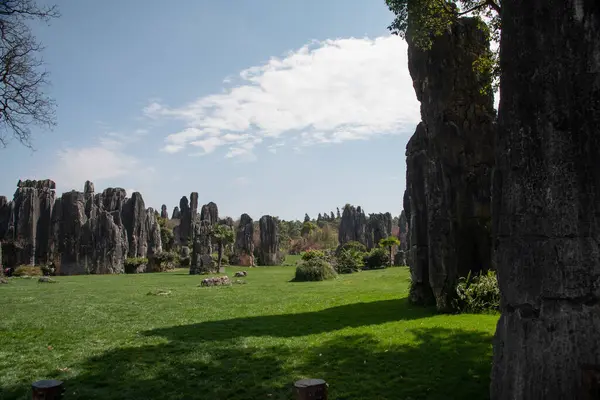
[79, 232]
[241, 274]
[46, 279]
[449, 162]
[216, 281]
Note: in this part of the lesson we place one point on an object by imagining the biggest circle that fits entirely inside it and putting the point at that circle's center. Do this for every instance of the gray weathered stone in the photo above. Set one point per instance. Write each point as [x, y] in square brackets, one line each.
[403, 231]
[163, 212]
[353, 226]
[546, 201]
[176, 213]
[269, 241]
[449, 163]
[210, 213]
[189, 212]
[201, 257]
[152, 229]
[379, 226]
[134, 216]
[244, 242]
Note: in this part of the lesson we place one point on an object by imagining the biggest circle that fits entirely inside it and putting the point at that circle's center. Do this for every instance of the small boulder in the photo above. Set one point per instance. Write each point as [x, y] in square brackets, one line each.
[241, 274]
[216, 281]
[46, 279]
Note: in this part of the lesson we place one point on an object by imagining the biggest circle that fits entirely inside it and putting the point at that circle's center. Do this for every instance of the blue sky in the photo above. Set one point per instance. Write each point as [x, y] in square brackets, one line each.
[262, 106]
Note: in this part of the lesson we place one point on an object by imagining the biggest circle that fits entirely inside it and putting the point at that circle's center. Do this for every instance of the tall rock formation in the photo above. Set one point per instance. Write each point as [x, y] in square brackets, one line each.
[403, 231]
[353, 226]
[189, 211]
[134, 220]
[210, 213]
[25, 223]
[244, 242]
[176, 213]
[164, 214]
[546, 202]
[201, 254]
[379, 226]
[269, 241]
[449, 163]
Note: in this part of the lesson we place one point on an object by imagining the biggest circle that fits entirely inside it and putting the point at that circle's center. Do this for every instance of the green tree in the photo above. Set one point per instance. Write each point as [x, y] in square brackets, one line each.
[423, 20]
[308, 228]
[223, 236]
[390, 242]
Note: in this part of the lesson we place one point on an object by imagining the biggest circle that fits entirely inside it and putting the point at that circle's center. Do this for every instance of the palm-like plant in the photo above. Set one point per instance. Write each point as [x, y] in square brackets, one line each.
[223, 236]
[390, 242]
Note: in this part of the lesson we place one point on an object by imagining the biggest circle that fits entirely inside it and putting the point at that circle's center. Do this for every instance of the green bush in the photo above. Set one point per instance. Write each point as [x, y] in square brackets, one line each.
[48, 270]
[314, 269]
[135, 265]
[164, 261]
[353, 246]
[377, 258]
[478, 293]
[215, 258]
[349, 261]
[27, 270]
[312, 254]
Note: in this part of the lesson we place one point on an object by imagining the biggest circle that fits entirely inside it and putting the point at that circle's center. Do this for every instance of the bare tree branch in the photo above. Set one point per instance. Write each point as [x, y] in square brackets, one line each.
[22, 79]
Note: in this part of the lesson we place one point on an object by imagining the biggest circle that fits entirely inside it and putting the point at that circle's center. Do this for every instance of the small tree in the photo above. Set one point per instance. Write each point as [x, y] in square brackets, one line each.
[224, 236]
[390, 242]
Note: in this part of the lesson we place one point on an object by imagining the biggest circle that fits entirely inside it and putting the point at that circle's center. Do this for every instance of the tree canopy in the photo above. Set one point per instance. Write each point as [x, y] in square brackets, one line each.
[431, 18]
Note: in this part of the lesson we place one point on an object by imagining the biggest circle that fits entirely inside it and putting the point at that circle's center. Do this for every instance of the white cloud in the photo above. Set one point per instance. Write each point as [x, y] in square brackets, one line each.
[104, 161]
[326, 92]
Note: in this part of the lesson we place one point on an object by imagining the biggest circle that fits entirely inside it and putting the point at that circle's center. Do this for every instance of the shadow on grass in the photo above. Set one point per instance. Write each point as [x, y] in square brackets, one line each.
[300, 324]
[438, 364]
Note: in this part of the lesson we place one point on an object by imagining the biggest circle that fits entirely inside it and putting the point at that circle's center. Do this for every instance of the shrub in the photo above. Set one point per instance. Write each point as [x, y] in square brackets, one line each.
[164, 261]
[48, 270]
[377, 258]
[224, 259]
[478, 293]
[312, 254]
[314, 269]
[27, 270]
[353, 246]
[135, 265]
[349, 261]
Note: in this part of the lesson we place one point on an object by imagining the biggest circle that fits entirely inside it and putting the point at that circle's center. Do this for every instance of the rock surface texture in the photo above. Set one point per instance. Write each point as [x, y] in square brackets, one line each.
[176, 213]
[78, 233]
[269, 241]
[353, 226]
[163, 212]
[379, 226]
[449, 162]
[546, 201]
[210, 213]
[244, 242]
[403, 231]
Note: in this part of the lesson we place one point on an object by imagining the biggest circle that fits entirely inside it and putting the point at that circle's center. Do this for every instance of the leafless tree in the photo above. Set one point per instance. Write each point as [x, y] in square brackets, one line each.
[23, 78]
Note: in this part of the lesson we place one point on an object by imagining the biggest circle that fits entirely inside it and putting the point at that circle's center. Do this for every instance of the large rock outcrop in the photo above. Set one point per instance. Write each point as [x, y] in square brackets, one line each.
[176, 213]
[210, 213]
[244, 242]
[353, 226]
[379, 226]
[449, 162]
[134, 220]
[201, 252]
[25, 223]
[269, 253]
[546, 202]
[189, 211]
[403, 231]
[163, 212]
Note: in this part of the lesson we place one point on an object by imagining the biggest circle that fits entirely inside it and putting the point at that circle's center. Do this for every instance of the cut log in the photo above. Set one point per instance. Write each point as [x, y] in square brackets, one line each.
[47, 390]
[310, 389]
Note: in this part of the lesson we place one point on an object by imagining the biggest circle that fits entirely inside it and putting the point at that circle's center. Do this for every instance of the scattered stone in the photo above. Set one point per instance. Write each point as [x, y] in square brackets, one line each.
[241, 274]
[46, 279]
[159, 292]
[216, 281]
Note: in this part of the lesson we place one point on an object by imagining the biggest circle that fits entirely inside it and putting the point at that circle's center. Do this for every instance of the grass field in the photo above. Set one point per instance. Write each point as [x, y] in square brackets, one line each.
[107, 338]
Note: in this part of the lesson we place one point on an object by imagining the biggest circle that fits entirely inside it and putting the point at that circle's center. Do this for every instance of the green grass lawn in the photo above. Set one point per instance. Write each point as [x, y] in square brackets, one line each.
[106, 338]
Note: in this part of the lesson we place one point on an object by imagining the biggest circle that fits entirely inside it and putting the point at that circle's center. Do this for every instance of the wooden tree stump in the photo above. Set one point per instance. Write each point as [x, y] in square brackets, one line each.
[310, 389]
[47, 390]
